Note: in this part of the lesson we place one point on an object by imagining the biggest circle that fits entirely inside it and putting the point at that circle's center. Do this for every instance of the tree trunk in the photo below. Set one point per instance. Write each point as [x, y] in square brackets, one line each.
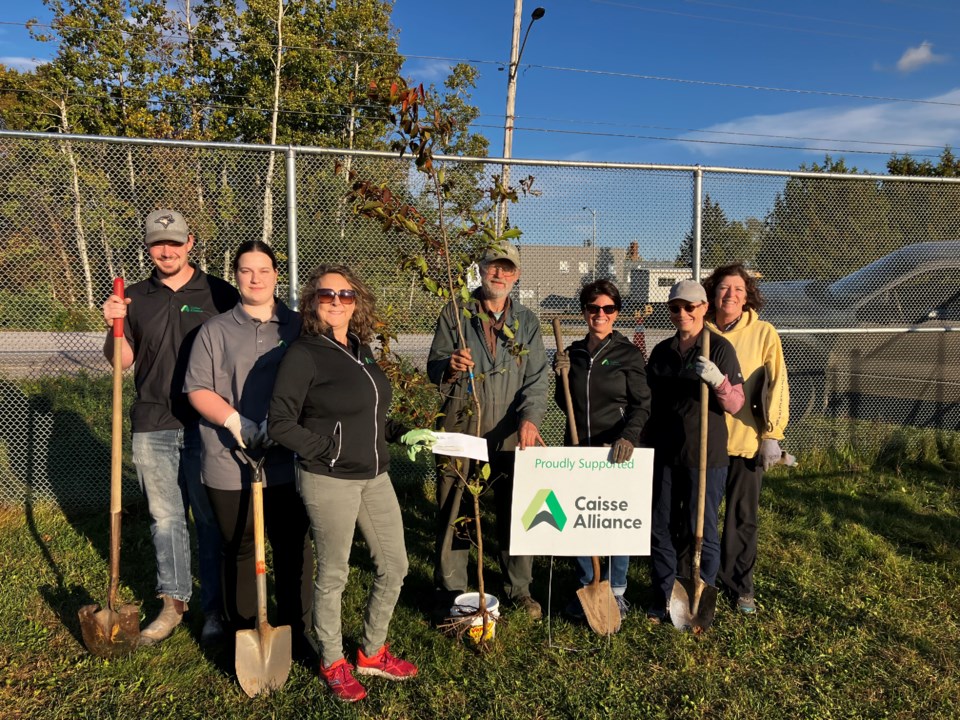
[108, 253]
[67, 149]
[268, 185]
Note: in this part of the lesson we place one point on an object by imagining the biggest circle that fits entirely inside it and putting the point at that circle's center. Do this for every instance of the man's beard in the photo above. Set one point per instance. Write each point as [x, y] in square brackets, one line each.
[492, 292]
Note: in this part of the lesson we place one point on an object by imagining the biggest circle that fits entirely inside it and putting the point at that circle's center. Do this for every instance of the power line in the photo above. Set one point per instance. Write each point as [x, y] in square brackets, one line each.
[732, 21]
[720, 132]
[384, 118]
[590, 71]
[707, 142]
[740, 86]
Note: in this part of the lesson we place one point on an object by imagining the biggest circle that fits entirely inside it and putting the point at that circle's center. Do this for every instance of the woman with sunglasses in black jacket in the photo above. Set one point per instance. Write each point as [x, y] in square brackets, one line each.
[611, 403]
[330, 404]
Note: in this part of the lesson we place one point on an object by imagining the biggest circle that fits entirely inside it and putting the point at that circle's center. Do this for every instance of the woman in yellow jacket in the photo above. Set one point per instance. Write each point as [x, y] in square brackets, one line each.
[754, 433]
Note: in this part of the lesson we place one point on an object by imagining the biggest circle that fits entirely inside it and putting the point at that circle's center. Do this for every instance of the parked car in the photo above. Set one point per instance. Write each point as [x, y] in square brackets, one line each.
[856, 366]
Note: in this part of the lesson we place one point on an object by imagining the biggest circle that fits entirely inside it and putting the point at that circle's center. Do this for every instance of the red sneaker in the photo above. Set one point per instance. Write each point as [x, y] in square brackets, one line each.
[341, 681]
[385, 665]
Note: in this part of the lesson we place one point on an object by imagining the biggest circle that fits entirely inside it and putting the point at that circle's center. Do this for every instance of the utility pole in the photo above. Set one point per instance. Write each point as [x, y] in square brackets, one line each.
[516, 52]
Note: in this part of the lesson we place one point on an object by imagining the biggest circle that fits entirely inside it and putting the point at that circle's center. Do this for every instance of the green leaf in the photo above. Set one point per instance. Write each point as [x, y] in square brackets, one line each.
[466, 313]
[485, 471]
[508, 332]
[511, 233]
[430, 284]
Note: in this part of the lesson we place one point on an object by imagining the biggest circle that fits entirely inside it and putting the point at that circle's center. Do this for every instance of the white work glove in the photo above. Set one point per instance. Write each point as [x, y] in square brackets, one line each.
[417, 440]
[709, 372]
[243, 429]
[770, 453]
[262, 439]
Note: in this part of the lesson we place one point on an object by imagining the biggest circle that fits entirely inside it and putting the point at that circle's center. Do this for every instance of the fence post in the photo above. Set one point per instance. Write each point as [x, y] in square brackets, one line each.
[292, 267]
[697, 220]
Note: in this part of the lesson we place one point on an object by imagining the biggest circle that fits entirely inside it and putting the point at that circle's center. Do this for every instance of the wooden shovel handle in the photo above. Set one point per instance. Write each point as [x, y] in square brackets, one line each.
[259, 546]
[702, 489]
[565, 379]
[116, 453]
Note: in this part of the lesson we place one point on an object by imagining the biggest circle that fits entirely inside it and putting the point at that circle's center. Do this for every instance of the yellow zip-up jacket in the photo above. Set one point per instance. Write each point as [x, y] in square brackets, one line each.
[767, 407]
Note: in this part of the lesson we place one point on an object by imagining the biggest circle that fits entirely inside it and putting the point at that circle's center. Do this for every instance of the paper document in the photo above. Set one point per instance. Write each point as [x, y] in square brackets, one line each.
[460, 445]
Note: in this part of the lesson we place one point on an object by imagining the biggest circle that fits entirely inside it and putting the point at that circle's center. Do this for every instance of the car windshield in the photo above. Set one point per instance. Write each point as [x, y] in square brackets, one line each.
[904, 262]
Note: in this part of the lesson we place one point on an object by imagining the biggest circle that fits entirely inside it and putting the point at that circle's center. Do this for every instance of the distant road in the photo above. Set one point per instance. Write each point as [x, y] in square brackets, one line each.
[38, 354]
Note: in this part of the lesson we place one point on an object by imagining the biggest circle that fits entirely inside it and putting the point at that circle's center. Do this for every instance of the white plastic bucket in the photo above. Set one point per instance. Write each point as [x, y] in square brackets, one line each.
[468, 604]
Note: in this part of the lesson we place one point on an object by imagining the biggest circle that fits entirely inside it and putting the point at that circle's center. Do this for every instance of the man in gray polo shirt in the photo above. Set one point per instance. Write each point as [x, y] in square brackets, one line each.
[161, 317]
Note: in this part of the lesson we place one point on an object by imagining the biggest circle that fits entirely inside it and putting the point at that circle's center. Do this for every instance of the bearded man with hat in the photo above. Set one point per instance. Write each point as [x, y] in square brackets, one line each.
[512, 389]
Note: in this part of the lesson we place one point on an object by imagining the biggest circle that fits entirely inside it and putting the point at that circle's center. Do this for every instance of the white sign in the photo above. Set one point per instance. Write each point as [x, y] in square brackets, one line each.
[460, 445]
[574, 501]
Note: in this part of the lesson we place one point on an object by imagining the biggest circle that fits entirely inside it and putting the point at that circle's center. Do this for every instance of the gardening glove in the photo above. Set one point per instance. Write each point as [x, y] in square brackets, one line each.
[243, 429]
[770, 453]
[622, 450]
[709, 372]
[417, 440]
[561, 362]
[262, 440]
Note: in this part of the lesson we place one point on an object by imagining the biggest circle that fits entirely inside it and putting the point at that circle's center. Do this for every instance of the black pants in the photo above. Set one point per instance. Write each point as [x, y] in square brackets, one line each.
[738, 546]
[450, 568]
[287, 528]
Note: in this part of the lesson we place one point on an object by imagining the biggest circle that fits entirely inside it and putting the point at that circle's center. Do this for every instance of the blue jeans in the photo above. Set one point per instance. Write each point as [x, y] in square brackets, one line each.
[616, 572]
[674, 522]
[168, 465]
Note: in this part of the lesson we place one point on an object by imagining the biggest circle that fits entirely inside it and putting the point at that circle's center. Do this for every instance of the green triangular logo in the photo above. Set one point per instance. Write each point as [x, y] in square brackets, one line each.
[553, 514]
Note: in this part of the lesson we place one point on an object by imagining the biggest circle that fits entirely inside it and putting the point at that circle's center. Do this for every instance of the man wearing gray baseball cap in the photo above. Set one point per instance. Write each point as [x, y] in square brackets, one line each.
[513, 394]
[161, 316]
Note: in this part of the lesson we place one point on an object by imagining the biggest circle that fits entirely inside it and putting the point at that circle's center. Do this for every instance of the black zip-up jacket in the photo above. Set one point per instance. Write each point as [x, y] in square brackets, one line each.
[609, 390]
[330, 407]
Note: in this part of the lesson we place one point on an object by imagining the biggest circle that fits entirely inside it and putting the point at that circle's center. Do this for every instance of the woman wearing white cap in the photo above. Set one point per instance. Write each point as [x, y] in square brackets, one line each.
[675, 370]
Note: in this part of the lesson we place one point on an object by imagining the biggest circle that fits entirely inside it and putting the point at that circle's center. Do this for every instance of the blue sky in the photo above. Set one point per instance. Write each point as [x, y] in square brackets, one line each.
[686, 81]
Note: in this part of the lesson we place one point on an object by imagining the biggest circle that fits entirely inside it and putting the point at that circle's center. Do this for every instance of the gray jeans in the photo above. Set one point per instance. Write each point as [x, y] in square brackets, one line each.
[335, 508]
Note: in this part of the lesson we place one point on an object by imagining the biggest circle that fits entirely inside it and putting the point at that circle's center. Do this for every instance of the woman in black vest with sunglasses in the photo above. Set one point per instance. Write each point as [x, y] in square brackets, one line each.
[611, 403]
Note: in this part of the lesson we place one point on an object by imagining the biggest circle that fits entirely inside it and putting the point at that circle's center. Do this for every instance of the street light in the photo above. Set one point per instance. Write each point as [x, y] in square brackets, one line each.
[516, 52]
[594, 213]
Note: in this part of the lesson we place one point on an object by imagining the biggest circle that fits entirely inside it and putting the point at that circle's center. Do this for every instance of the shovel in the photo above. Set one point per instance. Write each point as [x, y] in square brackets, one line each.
[263, 655]
[597, 600]
[693, 602]
[111, 631]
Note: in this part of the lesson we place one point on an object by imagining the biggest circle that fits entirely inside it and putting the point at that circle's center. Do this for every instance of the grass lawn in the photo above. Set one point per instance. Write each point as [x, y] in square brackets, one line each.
[857, 587]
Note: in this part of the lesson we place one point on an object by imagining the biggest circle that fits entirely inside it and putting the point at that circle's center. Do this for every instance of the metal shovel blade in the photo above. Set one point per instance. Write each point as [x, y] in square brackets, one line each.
[263, 658]
[110, 633]
[693, 604]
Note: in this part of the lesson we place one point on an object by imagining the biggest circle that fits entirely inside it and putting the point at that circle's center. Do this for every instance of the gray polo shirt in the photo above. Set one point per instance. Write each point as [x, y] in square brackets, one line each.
[237, 357]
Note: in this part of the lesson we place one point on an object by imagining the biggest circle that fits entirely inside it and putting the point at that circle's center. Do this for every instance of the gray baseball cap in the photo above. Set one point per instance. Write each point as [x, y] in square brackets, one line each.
[506, 251]
[166, 225]
[689, 290]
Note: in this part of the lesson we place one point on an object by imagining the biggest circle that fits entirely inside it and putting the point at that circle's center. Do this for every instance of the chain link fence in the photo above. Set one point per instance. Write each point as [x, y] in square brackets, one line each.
[862, 274]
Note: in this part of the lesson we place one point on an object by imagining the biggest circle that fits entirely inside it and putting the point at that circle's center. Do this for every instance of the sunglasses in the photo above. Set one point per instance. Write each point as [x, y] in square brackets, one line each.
[675, 309]
[597, 309]
[325, 296]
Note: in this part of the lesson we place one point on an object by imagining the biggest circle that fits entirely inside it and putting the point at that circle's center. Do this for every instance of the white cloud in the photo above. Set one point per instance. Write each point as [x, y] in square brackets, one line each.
[19, 63]
[895, 127]
[427, 71]
[915, 58]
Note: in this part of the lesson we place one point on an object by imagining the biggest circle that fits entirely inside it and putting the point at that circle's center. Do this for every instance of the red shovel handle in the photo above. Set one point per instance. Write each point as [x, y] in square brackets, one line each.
[118, 322]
